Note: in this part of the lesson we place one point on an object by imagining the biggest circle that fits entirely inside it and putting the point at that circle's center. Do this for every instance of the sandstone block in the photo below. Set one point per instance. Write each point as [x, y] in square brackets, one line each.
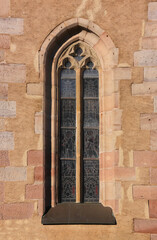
[125, 174]
[150, 74]
[4, 41]
[145, 58]
[15, 174]
[5, 8]
[1, 55]
[152, 11]
[155, 103]
[18, 210]
[11, 26]
[145, 159]
[35, 158]
[1, 192]
[2, 174]
[145, 225]
[4, 158]
[3, 90]
[35, 89]
[148, 121]
[145, 192]
[34, 191]
[153, 208]
[40, 207]
[151, 29]
[153, 176]
[14, 192]
[38, 122]
[153, 236]
[153, 142]
[146, 88]
[7, 108]
[38, 173]
[149, 43]
[15, 73]
[109, 159]
[2, 124]
[6, 141]
[122, 73]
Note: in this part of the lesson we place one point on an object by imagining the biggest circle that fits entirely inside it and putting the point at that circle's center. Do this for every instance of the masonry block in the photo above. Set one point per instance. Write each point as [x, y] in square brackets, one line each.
[145, 225]
[152, 11]
[149, 43]
[4, 158]
[7, 109]
[40, 207]
[125, 174]
[145, 58]
[146, 88]
[145, 159]
[38, 122]
[18, 210]
[122, 73]
[153, 142]
[150, 74]
[153, 236]
[35, 158]
[34, 191]
[1, 192]
[38, 173]
[2, 124]
[155, 103]
[3, 90]
[14, 192]
[148, 121]
[5, 8]
[12, 26]
[151, 29]
[1, 55]
[153, 208]
[4, 41]
[35, 89]
[6, 141]
[153, 175]
[145, 192]
[15, 174]
[15, 73]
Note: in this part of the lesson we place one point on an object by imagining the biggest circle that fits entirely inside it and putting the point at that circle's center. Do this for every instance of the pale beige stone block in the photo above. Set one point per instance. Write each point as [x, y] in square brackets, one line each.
[155, 104]
[151, 29]
[148, 121]
[11, 26]
[15, 174]
[15, 73]
[117, 119]
[145, 58]
[122, 73]
[14, 192]
[153, 141]
[35, 89]
[150, 74]
[6, 141]
[7, 108]
[2, 173]
[38, 122]
[3, 90]
[2, 124]
[146, 88]
[152, 11]
[149, 43]
[4, 8]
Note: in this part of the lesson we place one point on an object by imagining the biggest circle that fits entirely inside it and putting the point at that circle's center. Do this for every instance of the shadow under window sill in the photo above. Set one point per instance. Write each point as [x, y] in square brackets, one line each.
[79, 213]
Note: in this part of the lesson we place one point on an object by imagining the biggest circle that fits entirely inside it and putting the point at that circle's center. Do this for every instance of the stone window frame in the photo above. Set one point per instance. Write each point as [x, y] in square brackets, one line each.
[110, 125]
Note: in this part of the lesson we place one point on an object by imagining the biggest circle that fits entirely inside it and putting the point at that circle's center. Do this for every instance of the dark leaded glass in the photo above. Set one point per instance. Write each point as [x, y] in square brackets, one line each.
[67, 146]
[90, 73]
[91, 113]
[77, 54]
[68, 179]
[91, 143]
[91, 180]
[90, 87]
[68, 112]
[68, 83]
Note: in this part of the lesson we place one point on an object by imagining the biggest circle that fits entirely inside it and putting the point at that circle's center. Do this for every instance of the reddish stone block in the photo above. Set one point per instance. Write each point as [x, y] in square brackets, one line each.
[5, 8]
[153, 236]
[1, 192]
[40, 207]
[145, 192]
[34, 191]
[153, 175]
[15, 73]
[125, 174]
[153, 208]
[145, 159]
[4, 158]
[4, 41]
[145, 225]
[38, 173]
[3, 90]
[35, 158]
[18, 210]
[109, 159]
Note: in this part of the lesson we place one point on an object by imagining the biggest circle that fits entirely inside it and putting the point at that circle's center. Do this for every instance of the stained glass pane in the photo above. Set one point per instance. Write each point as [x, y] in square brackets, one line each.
[91, 143]
[68, 112]
[68, 88]
[91, 113]
[90, 73]
[67, 146]
[90, 88]
[77, 54]
[91, 180]
[68, 179]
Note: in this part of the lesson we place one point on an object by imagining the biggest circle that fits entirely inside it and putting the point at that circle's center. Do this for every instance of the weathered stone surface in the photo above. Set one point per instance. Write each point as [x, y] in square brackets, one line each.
[151, 29]
[145, 192]
[148, 121]
[145, 225]
[153, 208]
[149, 43]
[7, 108]
[34, 191]
[155, 104]
[5, 8]
[3, 90]
[4, 41]
[153, 142]
[13, 174]
[125, 174]
[152, 11]
[1, 192]
[14, 192]
[146, 88]
[4, 158]
[145, 159]
[35, 89]
[35, 158]
[145, 58]
[150, 74]
[38, 173]
[122, 73]
[38, 122]
[1, 55]
[153, 236]
[15, 73]
[11, 26]
[6, 141]
[153, 175]
[18, 210]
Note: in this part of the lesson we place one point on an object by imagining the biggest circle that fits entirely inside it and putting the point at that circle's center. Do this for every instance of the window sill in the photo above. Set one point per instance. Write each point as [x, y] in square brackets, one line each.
[79, 213]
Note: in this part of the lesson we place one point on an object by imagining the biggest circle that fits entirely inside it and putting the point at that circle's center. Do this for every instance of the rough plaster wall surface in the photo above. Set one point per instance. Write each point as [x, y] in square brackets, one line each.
[21, 194]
